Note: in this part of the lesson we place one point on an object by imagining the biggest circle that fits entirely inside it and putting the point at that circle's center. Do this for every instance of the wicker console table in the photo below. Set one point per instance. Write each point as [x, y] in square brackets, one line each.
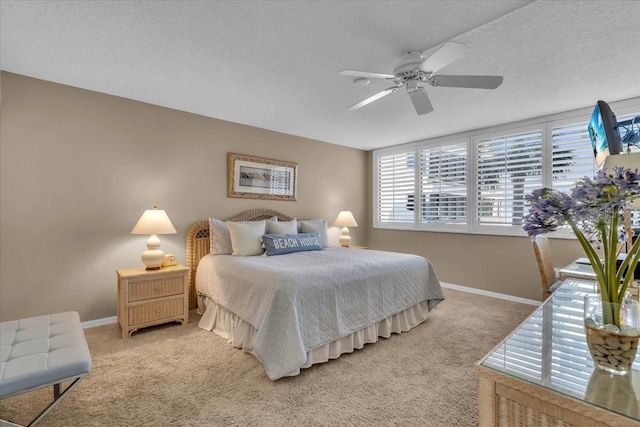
[542, 373]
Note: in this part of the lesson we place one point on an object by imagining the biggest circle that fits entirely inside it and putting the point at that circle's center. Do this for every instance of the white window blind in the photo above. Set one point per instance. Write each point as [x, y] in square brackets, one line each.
[476, 182]
[395, 188]
[571, 156]
[443, 184]
[508, 168]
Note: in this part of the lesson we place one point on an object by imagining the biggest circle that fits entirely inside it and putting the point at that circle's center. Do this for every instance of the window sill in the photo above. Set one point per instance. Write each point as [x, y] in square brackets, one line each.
[507, 233]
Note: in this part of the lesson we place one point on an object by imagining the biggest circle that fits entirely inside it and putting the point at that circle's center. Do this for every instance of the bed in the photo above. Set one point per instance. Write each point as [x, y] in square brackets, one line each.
[295, 310]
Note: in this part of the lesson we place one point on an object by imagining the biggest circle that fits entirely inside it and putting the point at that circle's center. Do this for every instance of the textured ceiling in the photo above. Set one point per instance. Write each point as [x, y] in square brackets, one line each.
[275, 64]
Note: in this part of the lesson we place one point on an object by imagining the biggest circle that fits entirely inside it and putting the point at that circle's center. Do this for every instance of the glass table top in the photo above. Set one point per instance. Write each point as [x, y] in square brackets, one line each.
[578, 270]
[549, 349]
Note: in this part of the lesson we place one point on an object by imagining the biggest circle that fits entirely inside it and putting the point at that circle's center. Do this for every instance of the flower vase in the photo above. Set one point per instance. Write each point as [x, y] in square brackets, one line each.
[612, 332]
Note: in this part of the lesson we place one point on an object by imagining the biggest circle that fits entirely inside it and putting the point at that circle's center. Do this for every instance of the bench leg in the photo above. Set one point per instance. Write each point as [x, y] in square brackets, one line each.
[56, 391]
[57, 397]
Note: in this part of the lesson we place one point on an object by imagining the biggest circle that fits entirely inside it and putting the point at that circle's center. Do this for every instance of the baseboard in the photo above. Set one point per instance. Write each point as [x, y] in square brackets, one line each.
[114, 319]
[489, 294]
[99, 322]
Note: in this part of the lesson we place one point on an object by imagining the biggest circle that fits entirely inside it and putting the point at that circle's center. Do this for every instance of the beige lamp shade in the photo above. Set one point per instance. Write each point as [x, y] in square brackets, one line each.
[153, 221]
[345, 219]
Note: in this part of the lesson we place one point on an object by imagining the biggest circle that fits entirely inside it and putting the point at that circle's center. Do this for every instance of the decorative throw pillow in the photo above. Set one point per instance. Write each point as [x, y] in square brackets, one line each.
[316, 226]
[219, 237]
[278, 244]
[245, 237]
[282, 227]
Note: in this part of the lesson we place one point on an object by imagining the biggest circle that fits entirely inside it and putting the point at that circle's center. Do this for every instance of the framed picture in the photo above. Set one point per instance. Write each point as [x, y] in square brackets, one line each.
[251, 177]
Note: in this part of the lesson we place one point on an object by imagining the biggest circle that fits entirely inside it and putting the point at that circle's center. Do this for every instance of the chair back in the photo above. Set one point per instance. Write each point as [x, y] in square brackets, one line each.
[543, 256]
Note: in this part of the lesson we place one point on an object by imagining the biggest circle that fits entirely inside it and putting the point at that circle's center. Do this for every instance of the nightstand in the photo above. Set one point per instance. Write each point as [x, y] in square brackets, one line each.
[357, 247]
[147, 298]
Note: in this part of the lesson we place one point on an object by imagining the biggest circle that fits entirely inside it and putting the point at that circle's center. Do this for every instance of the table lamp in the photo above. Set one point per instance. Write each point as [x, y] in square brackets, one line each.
[153, 221]
[345, 219]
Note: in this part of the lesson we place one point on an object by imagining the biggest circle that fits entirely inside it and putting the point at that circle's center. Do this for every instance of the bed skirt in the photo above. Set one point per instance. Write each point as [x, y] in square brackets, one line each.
[241, 334]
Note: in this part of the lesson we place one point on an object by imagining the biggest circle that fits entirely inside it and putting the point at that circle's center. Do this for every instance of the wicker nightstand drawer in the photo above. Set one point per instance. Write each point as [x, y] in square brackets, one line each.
[156, 311]
[146, 289]
[147, 298]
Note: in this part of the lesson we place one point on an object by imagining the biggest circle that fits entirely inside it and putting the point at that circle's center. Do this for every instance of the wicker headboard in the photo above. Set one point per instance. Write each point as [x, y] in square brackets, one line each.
[198, 242]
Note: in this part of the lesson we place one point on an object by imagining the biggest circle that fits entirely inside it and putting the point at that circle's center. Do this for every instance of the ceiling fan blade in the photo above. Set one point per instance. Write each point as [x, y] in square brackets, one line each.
[421, 102]
[367, 74]
[374, 97]
[477, 82]
[445, 55]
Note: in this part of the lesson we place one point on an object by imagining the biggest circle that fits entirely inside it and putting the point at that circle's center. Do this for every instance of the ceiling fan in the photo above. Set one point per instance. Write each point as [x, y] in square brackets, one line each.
[414, 71]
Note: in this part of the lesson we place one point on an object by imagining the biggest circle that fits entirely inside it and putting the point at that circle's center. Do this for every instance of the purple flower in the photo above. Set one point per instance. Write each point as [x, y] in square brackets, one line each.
[590, 205]
[548, 211]
[593, 210]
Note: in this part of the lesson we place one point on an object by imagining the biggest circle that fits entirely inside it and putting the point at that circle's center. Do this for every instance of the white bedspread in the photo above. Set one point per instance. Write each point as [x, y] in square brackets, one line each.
[303, 300]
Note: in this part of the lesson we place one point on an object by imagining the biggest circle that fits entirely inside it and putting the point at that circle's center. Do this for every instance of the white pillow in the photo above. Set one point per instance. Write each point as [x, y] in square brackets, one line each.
[246, 237]
[219, 237]
[308, 220]
[316, 226]
[282, 227]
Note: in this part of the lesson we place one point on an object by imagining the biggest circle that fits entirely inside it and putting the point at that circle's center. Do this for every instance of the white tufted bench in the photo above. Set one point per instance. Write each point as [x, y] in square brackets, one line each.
[42, 351]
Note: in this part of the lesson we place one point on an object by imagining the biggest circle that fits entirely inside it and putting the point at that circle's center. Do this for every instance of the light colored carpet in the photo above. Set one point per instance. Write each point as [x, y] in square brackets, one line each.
[184, 376]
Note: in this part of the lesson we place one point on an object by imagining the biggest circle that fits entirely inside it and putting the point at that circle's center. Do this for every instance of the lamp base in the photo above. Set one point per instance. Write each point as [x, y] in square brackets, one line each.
[153, 259]
[345, 239]
[153, 256]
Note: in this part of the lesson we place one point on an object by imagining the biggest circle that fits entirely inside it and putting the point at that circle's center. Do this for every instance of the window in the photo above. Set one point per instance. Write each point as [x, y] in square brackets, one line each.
[477, 182]
[443, 184]
[395, 188]
[508, 167]
[571, 156]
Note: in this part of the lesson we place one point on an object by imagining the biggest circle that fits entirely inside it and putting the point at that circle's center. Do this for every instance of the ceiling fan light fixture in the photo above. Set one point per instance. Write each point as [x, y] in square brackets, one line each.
[413, 85]
[421, 101]
[416, 70]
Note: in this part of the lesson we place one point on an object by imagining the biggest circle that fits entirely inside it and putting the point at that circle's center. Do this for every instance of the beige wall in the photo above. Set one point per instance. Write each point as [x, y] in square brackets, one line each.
[502, 264]
[78, 168]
